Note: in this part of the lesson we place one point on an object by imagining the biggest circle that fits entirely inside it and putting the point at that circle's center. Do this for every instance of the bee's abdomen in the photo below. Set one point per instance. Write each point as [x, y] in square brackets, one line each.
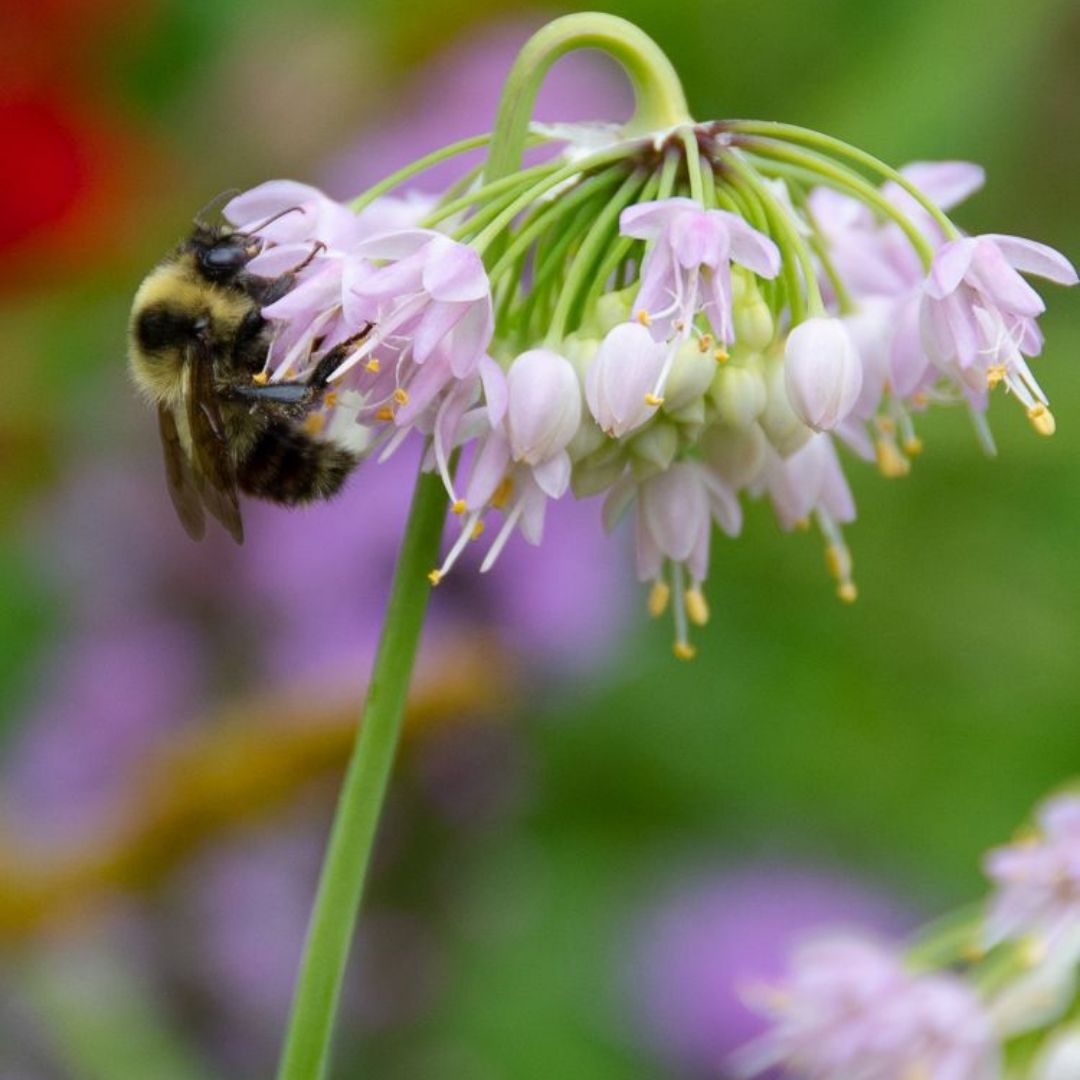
[286, 465]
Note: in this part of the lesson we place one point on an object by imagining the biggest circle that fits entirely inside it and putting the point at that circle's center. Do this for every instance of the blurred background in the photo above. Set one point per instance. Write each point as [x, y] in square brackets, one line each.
[590, 849]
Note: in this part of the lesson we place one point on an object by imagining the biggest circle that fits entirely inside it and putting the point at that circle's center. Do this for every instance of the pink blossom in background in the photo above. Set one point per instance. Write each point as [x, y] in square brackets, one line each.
[708, 943]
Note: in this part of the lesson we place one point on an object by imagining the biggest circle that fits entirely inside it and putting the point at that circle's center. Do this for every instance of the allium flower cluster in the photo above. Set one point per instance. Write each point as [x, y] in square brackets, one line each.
[849, 1009]
[671, 321]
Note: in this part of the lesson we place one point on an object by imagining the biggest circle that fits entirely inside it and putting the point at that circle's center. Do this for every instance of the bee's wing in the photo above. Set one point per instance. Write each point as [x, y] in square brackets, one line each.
[183, 490]
[213, 470]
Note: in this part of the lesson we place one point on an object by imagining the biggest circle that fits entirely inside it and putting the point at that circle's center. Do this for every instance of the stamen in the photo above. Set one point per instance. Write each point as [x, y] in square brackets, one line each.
[697, 607]
[459, 546]
[683, 650]
[458, 507]
[401, 396]
[705, 343]
[261, 378]
[913, 446]
[477, 531]
[721, 355]
[995, 376]
[653, 400]
[330, 399]
[373, 365]
[314, 423]
[504, 534]
[837, 557]
[384, 414]
[1042, 419]
[434, 576]
[643, 317]
[890, 462]
[502, 493]
[682, 647]
[659, 595]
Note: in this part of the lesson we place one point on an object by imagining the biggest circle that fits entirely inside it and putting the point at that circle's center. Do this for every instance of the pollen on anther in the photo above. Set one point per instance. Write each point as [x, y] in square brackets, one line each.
[434, 576]
[385, 413]
[697, 607]
[458, 507]
[890, 462]
[659, 595]
[502, 493]
[721, 356]
[314, 423]
[373, 366]
[847, 592]
[331, 399]
[683, 650]
[477, 531]
[1042, 419]
[643, 317]
[261, 378]
[913, 446]
[653, 400]
[401, 396]
[705, 343]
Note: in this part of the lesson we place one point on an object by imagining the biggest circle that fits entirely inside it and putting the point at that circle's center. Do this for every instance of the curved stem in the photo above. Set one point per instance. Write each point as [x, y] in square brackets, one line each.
[661, 103]
[306, 1052]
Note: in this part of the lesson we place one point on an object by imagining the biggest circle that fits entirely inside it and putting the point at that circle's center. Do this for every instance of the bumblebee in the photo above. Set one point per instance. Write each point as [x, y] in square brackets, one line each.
[197, 342]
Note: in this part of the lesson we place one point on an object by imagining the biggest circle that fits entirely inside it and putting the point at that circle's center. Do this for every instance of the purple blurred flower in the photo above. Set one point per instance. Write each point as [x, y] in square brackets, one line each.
[724, 933]
[848, 1008]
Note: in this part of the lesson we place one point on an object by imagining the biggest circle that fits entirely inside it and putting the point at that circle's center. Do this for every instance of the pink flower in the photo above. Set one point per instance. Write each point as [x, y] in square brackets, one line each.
[1038, 878]
[849, 1009]
[532, 413]
[978, 314]
[688, 268]
[675, 513]
[822, 372]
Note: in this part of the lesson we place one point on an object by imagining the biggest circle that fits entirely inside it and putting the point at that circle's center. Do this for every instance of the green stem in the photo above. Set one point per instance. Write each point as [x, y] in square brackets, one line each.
[661, 103]
[808, 137]
[414, 167]
[306, 1052]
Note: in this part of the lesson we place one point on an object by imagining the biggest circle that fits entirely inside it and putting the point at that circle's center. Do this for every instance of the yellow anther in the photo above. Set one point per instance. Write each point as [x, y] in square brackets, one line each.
[477, 531]
[659, 595]
[385, 413]
[683, 650]
[654, 401]
[401, 396]
[913, 446]
[885, 424]
[721, 356]
[314, 423]
[643, 317]
[435, 576]
[995, 376]
[697, 607]
[291, 373]
[458, 507]
[847, 592]
[330, 399]
[261, 378]
[890, 462]
[1042, 419]
[373, 366]
[679, 325]
[920, 399]
[502, 493]
[705, 342]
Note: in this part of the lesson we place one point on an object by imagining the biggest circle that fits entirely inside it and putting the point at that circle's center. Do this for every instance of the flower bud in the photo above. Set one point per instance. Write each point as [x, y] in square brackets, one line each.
[737, 456]
[691, 373]
[738, 391]
[655, 447]
[620, 380]
[754, 327]
[822, 372]
[543, 405]
[782, 427]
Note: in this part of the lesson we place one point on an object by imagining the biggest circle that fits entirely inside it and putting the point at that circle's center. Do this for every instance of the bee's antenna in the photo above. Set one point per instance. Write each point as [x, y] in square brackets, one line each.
[270, 220]
[216, 203]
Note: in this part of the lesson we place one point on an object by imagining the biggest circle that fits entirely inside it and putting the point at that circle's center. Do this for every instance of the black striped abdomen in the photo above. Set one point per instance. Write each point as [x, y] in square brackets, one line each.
[288, 466]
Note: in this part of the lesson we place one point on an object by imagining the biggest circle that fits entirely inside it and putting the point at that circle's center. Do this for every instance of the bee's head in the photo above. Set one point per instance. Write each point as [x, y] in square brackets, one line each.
[220, 253]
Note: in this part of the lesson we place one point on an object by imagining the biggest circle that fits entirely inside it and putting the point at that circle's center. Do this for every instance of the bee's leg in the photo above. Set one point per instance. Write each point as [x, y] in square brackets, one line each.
[329, 363]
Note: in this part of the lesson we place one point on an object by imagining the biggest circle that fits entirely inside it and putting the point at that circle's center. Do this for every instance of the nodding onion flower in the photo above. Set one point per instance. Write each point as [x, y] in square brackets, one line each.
[676, 320]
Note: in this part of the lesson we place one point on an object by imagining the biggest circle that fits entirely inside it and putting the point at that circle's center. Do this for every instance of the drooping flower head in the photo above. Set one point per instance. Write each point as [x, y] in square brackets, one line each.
[667, 320]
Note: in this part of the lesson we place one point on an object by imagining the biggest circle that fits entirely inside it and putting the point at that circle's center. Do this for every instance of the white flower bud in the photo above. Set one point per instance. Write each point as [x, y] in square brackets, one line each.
[738, 456]
[543, 405]
[620, 381]
[690, 375]
[822, 372]
[754, 326]
[656, 446]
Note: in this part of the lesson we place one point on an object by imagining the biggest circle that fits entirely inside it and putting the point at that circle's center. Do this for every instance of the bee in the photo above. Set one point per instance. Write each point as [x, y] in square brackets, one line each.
[198, 340]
